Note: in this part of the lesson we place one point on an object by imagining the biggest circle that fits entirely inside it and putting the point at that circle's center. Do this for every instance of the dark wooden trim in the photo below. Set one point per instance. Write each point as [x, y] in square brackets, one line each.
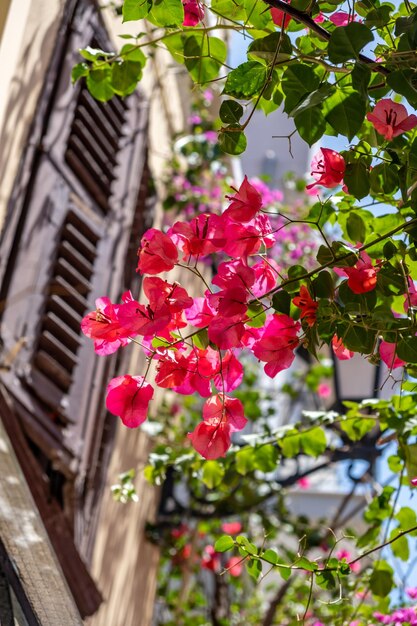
[83, 587]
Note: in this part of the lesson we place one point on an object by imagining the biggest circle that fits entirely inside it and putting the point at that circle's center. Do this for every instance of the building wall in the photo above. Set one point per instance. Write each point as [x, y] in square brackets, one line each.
[124, 563]
[26, 47]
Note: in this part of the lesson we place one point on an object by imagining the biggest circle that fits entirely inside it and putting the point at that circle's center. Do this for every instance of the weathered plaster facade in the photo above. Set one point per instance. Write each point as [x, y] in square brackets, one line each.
[124, 563]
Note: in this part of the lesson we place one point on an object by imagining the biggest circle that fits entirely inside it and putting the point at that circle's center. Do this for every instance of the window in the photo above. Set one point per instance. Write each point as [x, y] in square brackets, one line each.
[88, 198]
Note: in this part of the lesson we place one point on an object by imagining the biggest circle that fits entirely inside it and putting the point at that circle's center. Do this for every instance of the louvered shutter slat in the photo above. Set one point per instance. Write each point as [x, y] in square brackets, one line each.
[77, 260]
[65, 312]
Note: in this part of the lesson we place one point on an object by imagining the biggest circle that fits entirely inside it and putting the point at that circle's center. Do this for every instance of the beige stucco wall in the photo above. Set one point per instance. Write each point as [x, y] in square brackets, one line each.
[25, 52]
[124, 563]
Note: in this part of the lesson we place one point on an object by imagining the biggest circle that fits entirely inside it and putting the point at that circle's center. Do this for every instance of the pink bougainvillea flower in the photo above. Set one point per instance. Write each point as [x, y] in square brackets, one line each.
[411, 592]
[266, 273]
[223, 408]
[342, 353]
[387, 352]
[222, 416]
[280, 18]
[327, 168]
[231, 528]
[391, 119]
[157, 253]
[182, 530]
[341, 18]
[103, 327]
[203, 235]
[307, 305]
[324, 390]
[193, 13]
[160, 291]
[200, 313]
[229, 371]
[277, 343]
[210, 559]
[234, 274]
[362, 277]
[138, 319]
[234, 565]
[226, 332]
[303, 483]
[229, 302]
[245, 204]
[413, 482]
[186, 374]
[211, 440]
[128, 397]
[319, 19]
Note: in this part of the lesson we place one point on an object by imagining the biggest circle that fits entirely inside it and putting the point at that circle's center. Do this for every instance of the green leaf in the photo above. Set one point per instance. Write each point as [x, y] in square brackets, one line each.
[361, 77]
[356, 179]
[346, 42]
[281, 302]
[404, 82]
[410, 453]
[256, 314]
[290, 444]
[224, 543]
[99, 83]
[407, 349]
[407, 518]
[270, 556]
[201, 339]
[245, 461]
[345, 111]
[125, 77]
[356, 227]
[311, 125]
[359, 339]
[306, 564]
[265, 48]
[323, 286]
[133, 10]
[356, 429]
[298, 80]
[257, 15]
[381, 581]
[234, 10]
[212, 474]
[384, 178]
[254, 568]
[246, 80]
[94, 54]
[313, 442]
[232, 141]
[167, 13]
[266, 458]
[247, 546]
[325, 580]
[79, 70]
[230, 112]
[313, 99]
[203, 56]
[130, 52]
[400, 547]
[379, 16]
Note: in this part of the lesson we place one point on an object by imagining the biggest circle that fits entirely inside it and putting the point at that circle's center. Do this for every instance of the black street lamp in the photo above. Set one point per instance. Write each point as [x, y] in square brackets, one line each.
[355, 379]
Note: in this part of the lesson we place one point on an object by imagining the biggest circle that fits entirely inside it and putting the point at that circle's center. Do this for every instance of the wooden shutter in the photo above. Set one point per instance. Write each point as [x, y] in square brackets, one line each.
[87, 189]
